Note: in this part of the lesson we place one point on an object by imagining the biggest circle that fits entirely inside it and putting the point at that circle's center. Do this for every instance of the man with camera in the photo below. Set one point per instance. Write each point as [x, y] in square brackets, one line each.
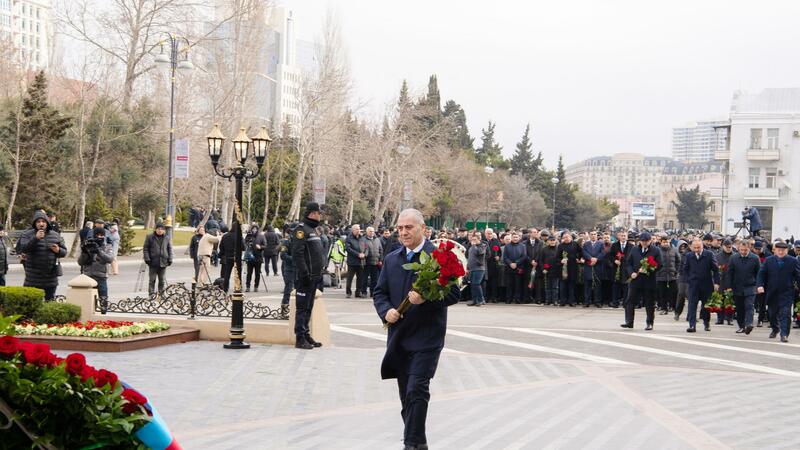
[96, 255]
[751, 214]
[40, 249]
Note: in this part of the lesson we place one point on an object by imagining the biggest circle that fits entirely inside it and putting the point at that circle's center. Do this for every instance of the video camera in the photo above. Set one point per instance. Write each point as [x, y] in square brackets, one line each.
[92, 245]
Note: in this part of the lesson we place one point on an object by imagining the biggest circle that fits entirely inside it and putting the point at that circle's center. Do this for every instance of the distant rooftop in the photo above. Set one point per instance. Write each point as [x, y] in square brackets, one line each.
[786, 100]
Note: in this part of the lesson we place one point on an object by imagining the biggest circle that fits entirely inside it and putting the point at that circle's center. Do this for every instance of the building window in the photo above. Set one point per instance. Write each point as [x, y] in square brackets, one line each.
[5, 5]
[755, 138]
[772, 172]
[755, 174]
[772, 138]
[712, 207]
[712, 226]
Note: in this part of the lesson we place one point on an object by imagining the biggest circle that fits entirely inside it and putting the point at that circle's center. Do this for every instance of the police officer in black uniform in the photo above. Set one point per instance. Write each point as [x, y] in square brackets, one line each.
[308, 256]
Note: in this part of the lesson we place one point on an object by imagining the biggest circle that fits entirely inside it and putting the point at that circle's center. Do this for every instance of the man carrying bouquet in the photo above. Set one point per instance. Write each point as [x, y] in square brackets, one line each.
[416, 338]
[701, 273]
[643, 263]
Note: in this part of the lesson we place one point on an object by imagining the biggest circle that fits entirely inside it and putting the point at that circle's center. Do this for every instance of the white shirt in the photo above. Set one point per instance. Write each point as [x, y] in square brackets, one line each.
[418, 249]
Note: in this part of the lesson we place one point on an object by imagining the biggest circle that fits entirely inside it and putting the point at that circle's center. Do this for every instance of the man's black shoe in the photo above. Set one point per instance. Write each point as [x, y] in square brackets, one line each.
[586, 305]
[784, 338]
[247, 289]
[707, 327]
[677, 317]
[773, 334]
[691, 330]
[648, 327]
[760, 323]
[626, 325]
[472, 304]
[314, 343]
[719, 322]
[572, 305]
[348, 295]
[740, 331]
[301, 342]
[748, 329]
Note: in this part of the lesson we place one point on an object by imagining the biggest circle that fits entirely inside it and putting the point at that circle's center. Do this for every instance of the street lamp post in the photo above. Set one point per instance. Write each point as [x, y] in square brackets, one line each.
[489, 170]
[177, 58]
[554, 180]
[241, 145]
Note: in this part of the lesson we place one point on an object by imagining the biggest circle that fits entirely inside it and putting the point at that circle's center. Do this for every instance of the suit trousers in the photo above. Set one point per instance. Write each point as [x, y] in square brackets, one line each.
[414, 389]
[304, 303]
[744, 309]
[567, 292]
[667, 294]
[355, 271]
[780, 318]
[619, 293]
[161, 274]
[515, 288]
[680, 301]
[696, 296]
[225, 274]
[638, 294]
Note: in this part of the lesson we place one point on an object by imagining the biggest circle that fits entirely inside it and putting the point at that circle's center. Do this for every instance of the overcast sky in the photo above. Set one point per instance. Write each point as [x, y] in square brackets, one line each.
[592, 77]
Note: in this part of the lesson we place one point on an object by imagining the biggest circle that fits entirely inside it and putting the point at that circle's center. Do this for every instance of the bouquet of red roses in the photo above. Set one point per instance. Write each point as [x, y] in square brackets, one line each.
[619, 257]
[546, 270]
[714, 303]
[646, 266]
[436, 274]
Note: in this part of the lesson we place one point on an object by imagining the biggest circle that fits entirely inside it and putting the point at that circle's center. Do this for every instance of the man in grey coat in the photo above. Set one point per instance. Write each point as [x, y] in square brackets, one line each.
[96, 255]
[374, 259]
[157, 252]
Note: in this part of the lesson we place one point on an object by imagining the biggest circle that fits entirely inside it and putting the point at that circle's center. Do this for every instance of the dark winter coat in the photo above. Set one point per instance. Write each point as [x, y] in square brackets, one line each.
[611, 257]
[41, 264]
[226, 247]
[3, 256]
[353, 246]
[255, 238]
[742, 274]
[703, 273]
[777, 276]
[96, 265]
[573, 252]
[644, 281]
[550, 256]
[157, 251]
[273, 243]
[671, 264]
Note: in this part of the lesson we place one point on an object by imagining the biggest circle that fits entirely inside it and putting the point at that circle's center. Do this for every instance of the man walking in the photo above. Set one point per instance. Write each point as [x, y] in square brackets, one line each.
[308, 258]
[643, 283]
[374, 260]
[40, 249]
[157, 252]
[416, 340]
[740, 279]
[701, 272]
[776, 279]
[667, 277]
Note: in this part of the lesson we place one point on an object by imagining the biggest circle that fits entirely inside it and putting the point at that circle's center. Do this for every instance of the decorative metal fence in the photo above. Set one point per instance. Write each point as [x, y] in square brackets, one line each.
[178, 300]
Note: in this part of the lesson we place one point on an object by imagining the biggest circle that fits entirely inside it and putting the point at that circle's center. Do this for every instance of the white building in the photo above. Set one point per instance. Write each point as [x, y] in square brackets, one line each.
[621, 175]
[763, 161]
[27, 25]
[697, 141]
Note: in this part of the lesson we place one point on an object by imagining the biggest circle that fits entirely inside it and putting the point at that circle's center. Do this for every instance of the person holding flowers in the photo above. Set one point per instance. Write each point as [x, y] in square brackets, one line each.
[643, 263]
[550, 262]
[701, 273]
[619, 255]
[421, 279]
[740, 279]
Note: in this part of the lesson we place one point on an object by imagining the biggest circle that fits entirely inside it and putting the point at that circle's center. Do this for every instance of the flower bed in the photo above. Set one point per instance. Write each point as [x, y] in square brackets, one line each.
[100, 329]
[70, 404]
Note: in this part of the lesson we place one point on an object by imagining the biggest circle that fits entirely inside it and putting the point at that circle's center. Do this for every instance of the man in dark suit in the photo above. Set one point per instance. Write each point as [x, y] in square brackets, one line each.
[619, 257]
[416, 339]
[534, 246]
[740, 278]
[701, 273]
[592, 250]
[356, 248]
[643, 284]
[776, 279]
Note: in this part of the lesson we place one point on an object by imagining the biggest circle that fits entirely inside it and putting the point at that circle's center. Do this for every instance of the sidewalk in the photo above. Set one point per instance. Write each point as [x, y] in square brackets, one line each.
[124, 261]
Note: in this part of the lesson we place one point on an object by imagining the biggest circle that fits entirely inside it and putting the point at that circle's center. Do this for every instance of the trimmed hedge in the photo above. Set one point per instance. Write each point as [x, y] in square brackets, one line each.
[24, 301]
[57, 313]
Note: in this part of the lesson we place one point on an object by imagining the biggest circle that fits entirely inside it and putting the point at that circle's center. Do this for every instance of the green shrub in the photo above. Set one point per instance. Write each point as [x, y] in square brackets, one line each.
[52, 313]
[24, 301]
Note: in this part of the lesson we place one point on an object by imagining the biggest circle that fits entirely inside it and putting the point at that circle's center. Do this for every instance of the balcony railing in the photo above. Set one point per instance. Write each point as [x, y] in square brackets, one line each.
[755, 154]
[722, 155]
[761, 194]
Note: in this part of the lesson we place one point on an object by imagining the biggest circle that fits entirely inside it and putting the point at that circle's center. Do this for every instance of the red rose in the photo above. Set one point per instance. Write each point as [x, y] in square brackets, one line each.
[449, 245]
[36, 354]
[87, 372]
[75, 364]
[9, 345]
[443, 280]
[103, 377]
[133, 401]
[495, 248]
[546, 266]
[652, 261]
[620, 255]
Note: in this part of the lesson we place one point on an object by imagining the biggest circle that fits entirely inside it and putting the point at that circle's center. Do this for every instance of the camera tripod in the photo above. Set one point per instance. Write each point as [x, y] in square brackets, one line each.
[743, 227]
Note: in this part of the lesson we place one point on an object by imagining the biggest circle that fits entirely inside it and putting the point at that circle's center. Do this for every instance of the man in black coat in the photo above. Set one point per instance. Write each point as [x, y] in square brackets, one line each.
[356, 247]
[271, 250]
[157, 251]
[416, 339]
[701, 273]
[40, 249]
[643, 282]
[740, 278]
[227, 257]
[534, 246]
[493, 254]
[570, 261]
[618, 257]
[776, 279]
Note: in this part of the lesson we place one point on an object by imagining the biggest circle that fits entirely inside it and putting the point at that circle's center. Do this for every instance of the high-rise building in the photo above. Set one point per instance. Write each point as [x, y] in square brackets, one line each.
[624, 174]
[762, 162]
[697, 141]
[27, 25]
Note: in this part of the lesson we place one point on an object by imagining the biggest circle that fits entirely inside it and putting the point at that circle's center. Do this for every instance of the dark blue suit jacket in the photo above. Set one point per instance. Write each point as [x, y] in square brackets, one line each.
[778, 281]
[701, 274]
[742, 273]
[422, 328]
[592, 250]
[635, 257]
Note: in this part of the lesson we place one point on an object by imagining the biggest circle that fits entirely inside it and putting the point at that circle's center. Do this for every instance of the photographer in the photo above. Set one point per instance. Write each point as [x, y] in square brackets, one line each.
[751, 213]
[40, 249]
[96, 255]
